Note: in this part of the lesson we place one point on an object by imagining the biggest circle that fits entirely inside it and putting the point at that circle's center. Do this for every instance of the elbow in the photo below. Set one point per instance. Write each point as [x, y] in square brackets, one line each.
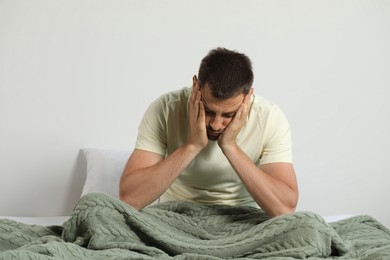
[128, 198]
[129, 201]
[287, 208]
[290, 206]
[283, 211]
[123, 196]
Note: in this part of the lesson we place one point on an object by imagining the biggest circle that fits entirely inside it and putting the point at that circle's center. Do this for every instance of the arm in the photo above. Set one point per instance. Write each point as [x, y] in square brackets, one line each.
[148, 175]
[273, 186]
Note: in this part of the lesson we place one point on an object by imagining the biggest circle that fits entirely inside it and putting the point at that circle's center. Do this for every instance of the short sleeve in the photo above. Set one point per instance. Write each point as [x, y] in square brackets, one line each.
[278, 144]
[151, 131]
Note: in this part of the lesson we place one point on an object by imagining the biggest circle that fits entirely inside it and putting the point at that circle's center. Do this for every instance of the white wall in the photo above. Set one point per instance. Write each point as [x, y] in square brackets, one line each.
[80, 73]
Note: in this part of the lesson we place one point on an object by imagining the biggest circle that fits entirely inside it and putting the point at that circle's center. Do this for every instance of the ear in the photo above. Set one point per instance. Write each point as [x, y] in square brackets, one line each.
[248, 96]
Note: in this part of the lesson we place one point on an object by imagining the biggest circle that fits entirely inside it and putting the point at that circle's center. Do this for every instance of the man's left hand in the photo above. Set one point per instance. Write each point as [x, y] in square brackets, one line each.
[229, 136]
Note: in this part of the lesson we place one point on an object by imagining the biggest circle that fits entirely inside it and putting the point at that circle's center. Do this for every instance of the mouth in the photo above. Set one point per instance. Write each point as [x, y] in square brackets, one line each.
[213, 136]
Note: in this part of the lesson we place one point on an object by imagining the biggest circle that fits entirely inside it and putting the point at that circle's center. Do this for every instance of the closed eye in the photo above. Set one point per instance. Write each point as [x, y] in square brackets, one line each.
[229, 115]
[209, 112]
[226, 115]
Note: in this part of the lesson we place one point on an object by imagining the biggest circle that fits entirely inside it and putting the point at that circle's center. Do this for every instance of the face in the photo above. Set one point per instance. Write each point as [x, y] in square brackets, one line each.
[219, 112]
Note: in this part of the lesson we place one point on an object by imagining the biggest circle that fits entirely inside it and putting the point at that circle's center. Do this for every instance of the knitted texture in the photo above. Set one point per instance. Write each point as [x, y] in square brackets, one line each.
[102, 227]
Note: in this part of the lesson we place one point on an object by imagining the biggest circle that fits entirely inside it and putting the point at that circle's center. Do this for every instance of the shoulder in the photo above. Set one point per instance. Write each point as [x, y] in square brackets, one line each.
[264, 108]
[175, 96]
[170, 101]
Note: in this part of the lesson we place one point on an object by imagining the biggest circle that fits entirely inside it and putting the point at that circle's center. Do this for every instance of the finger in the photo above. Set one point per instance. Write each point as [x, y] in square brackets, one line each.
[240, 111]
[202, 113]
[194, 93]
[196, 103]
[245, 103]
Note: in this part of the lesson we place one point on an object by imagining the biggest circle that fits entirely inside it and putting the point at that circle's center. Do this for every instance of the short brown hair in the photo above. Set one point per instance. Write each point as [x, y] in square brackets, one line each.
[226, 72]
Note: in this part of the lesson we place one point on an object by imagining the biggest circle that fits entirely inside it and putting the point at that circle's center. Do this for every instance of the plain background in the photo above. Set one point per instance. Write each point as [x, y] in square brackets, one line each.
[80, 73]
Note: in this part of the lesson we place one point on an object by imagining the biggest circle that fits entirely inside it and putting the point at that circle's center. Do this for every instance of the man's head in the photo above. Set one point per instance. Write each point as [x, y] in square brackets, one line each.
[225, 77]
[227, 73]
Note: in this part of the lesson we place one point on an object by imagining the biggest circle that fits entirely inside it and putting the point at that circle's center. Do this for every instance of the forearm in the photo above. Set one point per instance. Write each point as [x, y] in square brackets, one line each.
[271, 194]
[140, 187]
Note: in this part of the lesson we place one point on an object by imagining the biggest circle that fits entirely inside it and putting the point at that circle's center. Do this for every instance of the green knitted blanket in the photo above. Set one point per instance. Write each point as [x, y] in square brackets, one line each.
[102, 227]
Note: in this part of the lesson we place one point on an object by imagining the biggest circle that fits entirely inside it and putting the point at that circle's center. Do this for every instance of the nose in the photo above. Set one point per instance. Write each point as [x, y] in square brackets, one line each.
[216, 123]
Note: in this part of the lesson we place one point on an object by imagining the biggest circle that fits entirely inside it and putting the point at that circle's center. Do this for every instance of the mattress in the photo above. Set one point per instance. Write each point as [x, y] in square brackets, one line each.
[43, 221]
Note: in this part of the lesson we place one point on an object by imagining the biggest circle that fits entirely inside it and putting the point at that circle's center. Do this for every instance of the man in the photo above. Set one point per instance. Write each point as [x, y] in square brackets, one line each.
[214, 143]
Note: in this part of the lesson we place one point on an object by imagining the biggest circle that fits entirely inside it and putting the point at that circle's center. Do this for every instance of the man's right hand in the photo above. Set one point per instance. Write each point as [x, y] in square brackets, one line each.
[148, 175]
[197, 119]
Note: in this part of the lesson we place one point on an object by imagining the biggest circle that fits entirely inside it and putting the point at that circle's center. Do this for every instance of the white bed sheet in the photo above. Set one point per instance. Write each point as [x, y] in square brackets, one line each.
[43, 221]
[59, 220]
[335, 218]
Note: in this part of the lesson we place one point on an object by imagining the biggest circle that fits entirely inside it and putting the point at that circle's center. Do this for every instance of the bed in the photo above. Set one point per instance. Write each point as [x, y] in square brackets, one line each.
[103, 227]
[59, 220]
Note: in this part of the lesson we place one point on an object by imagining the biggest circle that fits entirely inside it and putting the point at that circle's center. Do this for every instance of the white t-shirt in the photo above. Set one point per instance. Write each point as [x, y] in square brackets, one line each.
[209, 178]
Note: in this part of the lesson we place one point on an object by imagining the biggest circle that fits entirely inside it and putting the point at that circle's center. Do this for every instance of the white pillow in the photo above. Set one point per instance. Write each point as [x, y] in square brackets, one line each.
[104, 170]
